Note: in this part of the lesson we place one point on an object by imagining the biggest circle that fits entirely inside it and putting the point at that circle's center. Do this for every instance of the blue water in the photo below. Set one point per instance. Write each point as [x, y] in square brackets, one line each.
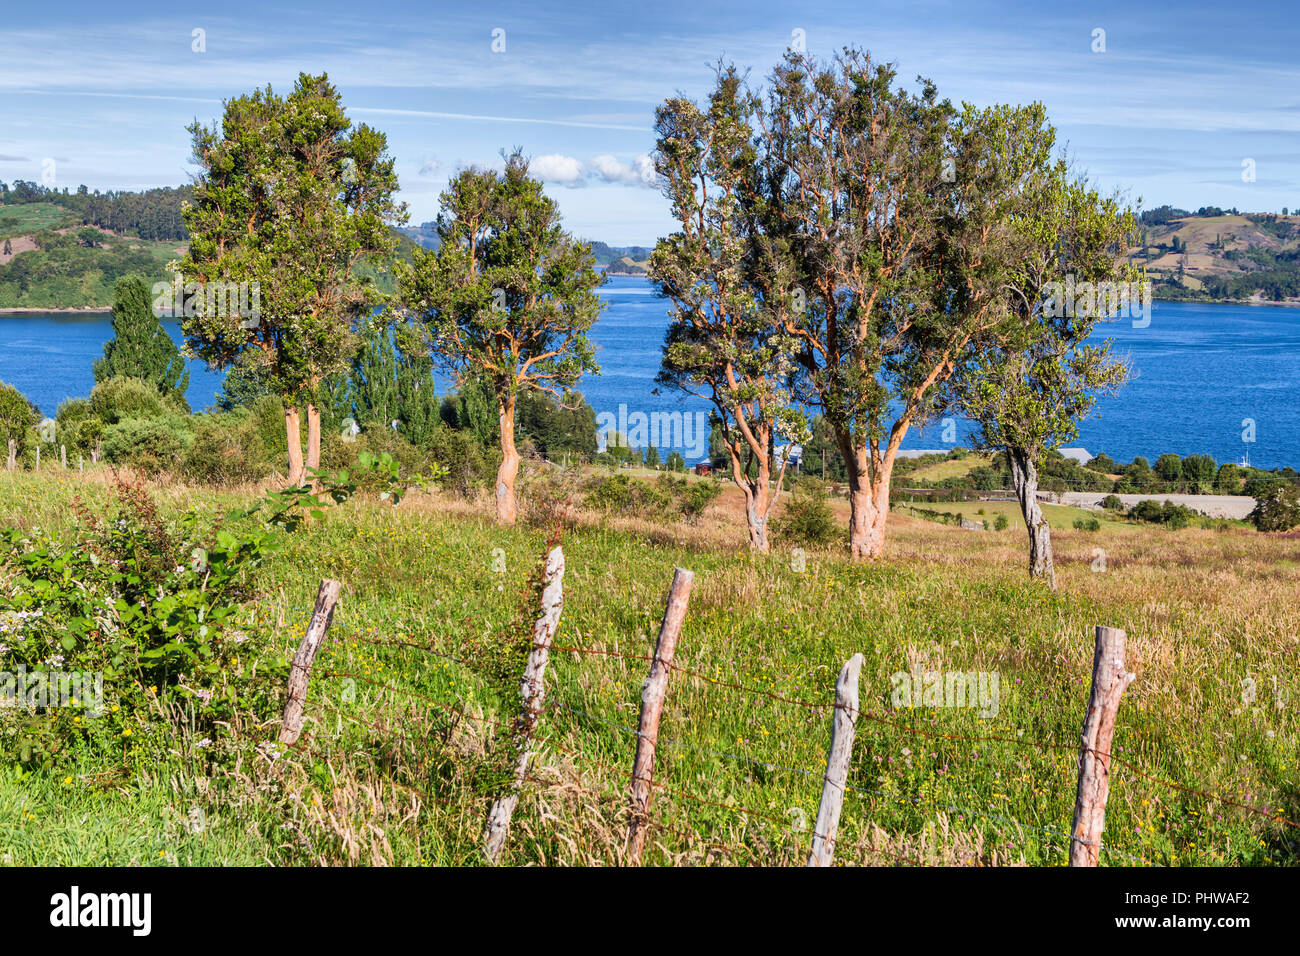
[1200, 371]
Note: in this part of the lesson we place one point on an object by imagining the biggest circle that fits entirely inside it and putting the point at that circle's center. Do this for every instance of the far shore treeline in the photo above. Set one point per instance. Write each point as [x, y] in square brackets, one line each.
[854, 257]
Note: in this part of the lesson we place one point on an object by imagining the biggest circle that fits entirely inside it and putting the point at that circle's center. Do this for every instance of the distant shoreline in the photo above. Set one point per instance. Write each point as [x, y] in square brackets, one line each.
[91, 309]
[76, 310]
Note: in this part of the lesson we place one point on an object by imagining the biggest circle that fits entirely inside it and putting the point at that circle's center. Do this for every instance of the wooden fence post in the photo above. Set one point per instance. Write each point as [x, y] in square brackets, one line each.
[1109, 681]
[300, 673]
[533, 691]
[837, 764]
[652, 705]
[63, 456]
[13, 454]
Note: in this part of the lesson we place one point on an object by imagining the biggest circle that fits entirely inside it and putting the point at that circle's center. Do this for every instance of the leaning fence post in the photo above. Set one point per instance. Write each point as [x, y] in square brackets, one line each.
[1109, 681]
[326, 599]
[533, 691]
[652, 705]
[837, 764]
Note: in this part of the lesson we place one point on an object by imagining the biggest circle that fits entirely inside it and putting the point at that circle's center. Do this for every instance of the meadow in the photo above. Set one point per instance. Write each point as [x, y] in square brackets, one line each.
[409, 698]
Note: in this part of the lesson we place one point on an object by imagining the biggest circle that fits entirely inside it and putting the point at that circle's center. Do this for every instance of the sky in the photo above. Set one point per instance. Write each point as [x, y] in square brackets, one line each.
[1188, 103]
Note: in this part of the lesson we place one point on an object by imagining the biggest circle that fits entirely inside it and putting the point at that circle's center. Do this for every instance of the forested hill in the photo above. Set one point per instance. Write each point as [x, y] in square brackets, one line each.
[64, 249]
[1216, 254]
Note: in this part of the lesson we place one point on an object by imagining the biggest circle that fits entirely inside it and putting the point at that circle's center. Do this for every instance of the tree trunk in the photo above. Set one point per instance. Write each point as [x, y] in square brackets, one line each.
[313, 436]
[293, 438]
[1024, 474]
[507, 511]
[756, 508]
[758, 500]
[868, 505]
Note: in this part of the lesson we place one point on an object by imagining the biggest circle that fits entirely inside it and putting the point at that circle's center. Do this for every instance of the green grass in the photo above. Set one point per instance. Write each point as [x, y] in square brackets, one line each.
[21, 220]
[387, 776]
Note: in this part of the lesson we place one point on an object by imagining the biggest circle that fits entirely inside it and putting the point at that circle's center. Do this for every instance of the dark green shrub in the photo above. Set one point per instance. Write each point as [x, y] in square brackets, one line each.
[1112, 503]
[469, 467]
[118, 399]
[1277, 508]
[18, 419]
[152, 445]
[807, 517]
[1087, 524]
[225, 450]
[1001, 522]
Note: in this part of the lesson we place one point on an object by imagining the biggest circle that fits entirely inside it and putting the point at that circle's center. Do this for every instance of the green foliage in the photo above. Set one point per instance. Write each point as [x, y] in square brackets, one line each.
[1087, 524]
[1112, 503]
[1198, 473]
[1001, 522]
[558, 429]
[117, 399]
[468, 465]
[18, 416]
[225, 450]
[141, 348]
[142, 601]
[152, 445]
[1169, 467]
[1277, 508]
[1228, 479]
[77, 426]
[296, 245]
[807, 517]
[390, 380]
[1152, 512]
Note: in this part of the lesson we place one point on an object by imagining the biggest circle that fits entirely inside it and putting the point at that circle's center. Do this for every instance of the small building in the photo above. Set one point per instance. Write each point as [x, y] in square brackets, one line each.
[703, 468]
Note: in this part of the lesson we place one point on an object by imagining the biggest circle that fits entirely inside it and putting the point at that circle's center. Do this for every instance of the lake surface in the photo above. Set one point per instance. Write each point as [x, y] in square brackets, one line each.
[1200, 372]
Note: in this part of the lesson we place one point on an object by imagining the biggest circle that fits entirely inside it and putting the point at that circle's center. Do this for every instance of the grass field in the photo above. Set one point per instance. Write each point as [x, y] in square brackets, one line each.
[20, 220]
[397, 764]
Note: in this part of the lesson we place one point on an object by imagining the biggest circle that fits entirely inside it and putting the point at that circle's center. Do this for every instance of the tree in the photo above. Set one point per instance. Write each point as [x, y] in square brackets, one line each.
[291, 198]
[1228, 479]
[652, 457]
[1198, 472]
[140, 346]
[18, 416]
[1028, 394]
[1169, 469]
[886, 198]
[509, 295]
[731, 292]
[390, 383]
[1277, 508]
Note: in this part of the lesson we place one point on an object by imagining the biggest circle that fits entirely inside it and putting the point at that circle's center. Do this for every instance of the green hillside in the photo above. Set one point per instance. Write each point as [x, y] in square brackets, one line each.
[1221, 254]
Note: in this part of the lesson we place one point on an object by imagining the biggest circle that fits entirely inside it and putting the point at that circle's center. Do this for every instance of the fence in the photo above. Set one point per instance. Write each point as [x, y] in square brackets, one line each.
[1095, 759]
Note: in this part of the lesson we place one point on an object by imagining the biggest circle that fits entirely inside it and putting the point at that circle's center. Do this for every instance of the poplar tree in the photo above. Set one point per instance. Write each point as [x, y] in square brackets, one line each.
[140, 346]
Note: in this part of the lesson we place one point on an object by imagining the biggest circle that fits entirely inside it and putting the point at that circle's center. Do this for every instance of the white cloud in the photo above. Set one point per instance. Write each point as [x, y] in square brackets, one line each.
[559, 169]
[640, 172]
[430, 167]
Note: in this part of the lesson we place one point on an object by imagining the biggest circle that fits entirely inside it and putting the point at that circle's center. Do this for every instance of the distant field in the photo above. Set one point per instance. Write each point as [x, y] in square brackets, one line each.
[19, 220]
[387, 777]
